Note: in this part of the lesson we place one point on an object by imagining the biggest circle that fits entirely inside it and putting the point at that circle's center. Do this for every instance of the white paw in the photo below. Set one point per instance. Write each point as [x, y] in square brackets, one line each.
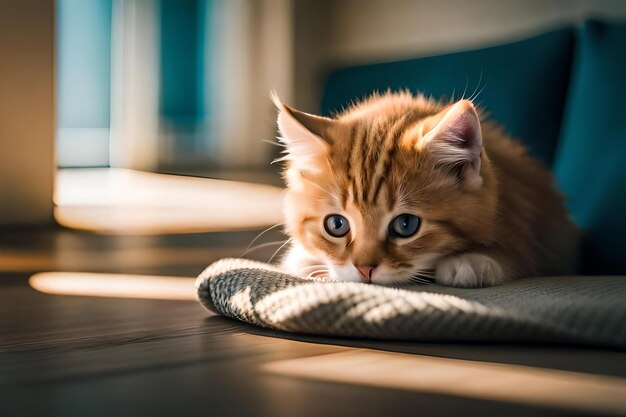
[469, 270]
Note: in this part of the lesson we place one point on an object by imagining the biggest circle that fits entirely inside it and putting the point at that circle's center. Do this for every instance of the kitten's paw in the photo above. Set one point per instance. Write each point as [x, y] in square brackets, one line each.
[469, 270]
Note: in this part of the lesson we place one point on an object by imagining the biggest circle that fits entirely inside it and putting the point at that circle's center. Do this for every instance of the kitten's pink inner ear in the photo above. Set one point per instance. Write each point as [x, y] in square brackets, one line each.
[302, 134]
[457, 140]
[459, 126]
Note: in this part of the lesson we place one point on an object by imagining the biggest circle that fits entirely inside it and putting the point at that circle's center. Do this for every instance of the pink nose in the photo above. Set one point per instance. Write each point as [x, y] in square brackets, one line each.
[366, 271]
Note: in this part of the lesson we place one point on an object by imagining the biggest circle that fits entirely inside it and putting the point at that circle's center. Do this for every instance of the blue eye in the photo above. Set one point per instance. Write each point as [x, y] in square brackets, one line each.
[403, 226]
[336, 225]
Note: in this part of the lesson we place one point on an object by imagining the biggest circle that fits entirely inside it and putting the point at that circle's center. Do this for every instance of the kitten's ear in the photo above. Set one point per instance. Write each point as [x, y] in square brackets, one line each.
[455, 139]
[302, 134]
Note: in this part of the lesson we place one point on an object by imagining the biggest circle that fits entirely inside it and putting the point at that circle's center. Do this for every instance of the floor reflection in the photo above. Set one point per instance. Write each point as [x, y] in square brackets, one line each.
[482, 380]
[114, 285]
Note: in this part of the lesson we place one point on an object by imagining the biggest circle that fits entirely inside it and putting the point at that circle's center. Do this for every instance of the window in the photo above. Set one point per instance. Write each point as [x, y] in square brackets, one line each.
[83, 82]
[170, 85]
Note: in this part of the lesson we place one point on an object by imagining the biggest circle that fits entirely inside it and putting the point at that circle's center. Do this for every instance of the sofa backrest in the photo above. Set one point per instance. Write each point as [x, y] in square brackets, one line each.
[523, 84]
[590, 160]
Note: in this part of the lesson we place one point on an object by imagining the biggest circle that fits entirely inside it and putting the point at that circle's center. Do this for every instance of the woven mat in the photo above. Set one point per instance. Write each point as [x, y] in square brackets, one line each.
[575, 309]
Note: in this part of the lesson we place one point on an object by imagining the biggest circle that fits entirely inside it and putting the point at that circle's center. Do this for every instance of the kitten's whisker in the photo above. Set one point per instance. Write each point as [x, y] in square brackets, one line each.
[423, 276]
[313, 274]
[427, 275]
[307, 271]
[477, 85]
[419, 281]
[331, 166]
[279, 249]
[262, 233]
[261, 246]
[281, 141]
[425, 271]
[465, 89]
[319, 187]
[271, 142]
[403, 193]
[313, 266]
[478, 92]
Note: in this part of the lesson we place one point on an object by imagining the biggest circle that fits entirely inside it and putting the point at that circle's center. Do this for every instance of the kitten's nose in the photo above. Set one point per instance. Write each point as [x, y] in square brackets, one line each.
[366, 271]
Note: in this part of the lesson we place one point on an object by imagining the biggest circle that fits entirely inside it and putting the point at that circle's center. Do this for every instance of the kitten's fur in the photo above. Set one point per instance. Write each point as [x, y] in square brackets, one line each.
[489, 213]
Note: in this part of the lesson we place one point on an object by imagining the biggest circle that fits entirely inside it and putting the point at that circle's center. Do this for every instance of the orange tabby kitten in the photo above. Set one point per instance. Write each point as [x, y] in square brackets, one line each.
[400, 187]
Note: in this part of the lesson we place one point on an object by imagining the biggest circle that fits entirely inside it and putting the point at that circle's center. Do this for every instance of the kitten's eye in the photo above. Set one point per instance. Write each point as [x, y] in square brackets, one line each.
[336, 225]
[404, 225]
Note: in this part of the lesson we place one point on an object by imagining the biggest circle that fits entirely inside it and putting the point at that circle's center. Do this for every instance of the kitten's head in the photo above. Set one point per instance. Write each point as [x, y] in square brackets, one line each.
[381, 192]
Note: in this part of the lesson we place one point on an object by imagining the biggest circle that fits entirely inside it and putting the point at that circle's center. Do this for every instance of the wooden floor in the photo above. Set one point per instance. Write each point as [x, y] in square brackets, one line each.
[95, 356]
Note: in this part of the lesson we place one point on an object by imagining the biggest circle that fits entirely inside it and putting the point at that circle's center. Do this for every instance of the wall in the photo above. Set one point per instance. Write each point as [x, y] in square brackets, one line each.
[26, 111]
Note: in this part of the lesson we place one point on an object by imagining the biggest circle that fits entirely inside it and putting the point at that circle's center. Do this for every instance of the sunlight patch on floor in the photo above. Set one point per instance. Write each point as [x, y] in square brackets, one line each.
[480, 380]
[114, 285]
[125, 202]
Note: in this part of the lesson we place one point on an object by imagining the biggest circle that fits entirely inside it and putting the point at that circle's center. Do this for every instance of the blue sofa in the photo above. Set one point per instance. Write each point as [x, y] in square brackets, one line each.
[562, 93]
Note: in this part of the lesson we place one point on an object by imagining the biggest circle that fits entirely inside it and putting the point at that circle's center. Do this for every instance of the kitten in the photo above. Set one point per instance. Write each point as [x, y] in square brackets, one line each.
[401, 186]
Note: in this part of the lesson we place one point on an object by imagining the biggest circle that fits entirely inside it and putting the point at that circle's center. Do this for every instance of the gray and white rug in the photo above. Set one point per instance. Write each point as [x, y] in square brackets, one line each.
[585, 310]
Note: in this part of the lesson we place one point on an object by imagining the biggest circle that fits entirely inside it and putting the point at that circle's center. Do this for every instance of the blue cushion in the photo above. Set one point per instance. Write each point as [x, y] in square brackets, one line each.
[525, 84]
[590, 163]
